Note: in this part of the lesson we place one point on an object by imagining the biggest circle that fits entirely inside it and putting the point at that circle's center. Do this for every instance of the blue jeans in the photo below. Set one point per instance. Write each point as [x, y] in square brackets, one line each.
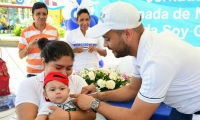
[175, 115]
[30, 75]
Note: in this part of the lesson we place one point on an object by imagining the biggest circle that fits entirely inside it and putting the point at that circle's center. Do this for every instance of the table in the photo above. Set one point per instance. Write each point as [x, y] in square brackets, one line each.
[8, 114]
[161, 113]
[7, 106]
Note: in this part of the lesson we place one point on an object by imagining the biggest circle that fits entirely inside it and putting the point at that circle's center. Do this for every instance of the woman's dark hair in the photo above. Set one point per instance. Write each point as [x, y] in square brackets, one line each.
[39, 5]
[84, 10]
[54, 49]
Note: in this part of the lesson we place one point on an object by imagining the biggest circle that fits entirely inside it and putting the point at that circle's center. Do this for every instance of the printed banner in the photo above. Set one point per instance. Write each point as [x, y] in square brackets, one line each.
[179, 16]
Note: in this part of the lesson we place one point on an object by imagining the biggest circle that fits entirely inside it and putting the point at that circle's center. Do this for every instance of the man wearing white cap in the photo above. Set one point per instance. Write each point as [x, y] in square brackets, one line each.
[166, 69]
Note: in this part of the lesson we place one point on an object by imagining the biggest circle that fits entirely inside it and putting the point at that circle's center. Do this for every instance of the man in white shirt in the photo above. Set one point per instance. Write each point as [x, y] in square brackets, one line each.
[166, 69]
[10, 25]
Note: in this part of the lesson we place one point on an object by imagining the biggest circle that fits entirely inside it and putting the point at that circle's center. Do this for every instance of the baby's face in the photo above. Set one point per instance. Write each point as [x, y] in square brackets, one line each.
[57, 92]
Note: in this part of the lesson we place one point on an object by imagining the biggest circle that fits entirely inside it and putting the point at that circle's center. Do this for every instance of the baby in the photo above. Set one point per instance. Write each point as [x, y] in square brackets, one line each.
[56, 92]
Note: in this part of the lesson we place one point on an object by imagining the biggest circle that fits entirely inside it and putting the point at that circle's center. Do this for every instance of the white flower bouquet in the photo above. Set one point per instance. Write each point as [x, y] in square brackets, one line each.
[104, 79]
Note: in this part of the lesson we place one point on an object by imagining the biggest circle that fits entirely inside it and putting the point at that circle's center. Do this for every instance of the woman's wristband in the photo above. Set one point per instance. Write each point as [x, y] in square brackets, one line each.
[69, 115]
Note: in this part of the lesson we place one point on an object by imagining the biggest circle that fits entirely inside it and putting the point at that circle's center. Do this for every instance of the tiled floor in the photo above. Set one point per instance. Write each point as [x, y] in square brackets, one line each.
[14, 118]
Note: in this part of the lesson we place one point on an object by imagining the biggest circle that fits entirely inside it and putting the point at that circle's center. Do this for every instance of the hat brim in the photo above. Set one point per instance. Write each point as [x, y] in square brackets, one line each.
[97, 31]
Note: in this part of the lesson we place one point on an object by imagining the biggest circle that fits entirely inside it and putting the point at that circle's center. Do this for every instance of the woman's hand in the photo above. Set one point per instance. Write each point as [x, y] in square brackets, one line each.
[78, 50]
[92, 49]
[58, 113]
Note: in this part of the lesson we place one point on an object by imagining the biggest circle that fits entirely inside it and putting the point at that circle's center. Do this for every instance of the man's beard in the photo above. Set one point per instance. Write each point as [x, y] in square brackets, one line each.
[122, 49]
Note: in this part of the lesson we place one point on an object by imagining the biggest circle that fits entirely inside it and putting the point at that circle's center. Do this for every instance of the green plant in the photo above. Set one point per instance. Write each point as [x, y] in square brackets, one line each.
[17, 29]
[26, 22]
[61, 31]
[3, 10]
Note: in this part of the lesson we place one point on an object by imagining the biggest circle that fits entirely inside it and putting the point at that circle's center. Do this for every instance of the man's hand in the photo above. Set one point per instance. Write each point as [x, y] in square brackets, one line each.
[58, 113]
[82, 101]
[78, 50]
[88, 89]
[24, 52]
[92, 49]
[32, 44]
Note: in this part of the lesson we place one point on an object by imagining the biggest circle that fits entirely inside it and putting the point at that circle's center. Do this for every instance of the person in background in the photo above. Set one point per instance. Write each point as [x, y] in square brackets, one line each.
[4, 26]
[56, 92]
[57, 56]
[10, 25]
[86, 49]
[166, 69]
[30, 35]
[3, 19]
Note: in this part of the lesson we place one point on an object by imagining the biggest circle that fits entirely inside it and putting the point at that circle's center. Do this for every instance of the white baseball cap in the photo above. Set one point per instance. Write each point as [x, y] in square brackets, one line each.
[115, 16]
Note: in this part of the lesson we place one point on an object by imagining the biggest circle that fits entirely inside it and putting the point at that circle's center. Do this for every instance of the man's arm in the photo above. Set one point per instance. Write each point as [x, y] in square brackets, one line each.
[23, 114]
[140, 111]
[122, 94]
[24, 52]
[60, 114]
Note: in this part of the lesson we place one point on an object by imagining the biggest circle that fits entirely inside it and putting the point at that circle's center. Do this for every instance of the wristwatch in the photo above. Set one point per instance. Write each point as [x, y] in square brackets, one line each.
[95, 104]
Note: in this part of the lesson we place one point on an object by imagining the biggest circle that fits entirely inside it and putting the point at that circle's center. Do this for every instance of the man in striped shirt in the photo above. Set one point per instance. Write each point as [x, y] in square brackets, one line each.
[28, 43]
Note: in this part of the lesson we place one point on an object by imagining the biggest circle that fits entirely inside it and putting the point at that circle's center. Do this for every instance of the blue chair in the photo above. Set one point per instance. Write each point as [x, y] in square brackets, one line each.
[0, 27]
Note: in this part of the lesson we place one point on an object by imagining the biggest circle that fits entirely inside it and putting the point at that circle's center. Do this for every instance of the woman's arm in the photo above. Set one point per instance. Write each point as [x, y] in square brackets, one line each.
[83, 115]
[26, 111]
[101, 52]
[41, 117]
[27, 100]
[23, 113]
[60, 114]
[98, 50]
